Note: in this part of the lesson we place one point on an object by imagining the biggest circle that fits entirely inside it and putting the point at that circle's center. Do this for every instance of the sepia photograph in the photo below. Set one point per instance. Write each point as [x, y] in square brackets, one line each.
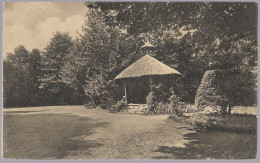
[129, 80]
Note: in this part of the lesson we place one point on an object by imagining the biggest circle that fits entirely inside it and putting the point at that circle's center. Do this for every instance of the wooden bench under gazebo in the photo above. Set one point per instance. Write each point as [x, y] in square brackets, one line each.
[141, 75]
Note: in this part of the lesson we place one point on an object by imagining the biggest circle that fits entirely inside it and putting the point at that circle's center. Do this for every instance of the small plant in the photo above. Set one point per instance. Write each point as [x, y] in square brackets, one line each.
[158, 105]
[163, 108]
[90, 105]
[189, 108]
[119, 106]
[177, 107]
[103, 106]
[156, 100]
[151, 102]
[106, 104]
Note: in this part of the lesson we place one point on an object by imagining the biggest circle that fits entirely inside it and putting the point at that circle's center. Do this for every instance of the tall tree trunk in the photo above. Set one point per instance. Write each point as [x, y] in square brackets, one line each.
[223, 110]
[229, 110]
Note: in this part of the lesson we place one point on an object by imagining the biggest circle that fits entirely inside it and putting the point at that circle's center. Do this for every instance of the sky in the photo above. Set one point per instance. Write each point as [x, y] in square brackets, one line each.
[32, 24]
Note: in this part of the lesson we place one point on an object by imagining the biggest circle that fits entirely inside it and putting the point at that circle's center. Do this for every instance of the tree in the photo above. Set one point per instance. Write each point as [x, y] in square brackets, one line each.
[16, 72]
[99, 54]
[207, 36]
[53, 60]
[143, 17]
[181, 54]
[190, 37]
[35, 73]
[21, 72]
[74, 72]
[233, 50]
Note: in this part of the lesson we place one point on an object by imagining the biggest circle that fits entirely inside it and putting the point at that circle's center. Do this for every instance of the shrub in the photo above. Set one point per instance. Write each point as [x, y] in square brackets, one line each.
[178, 119]
[151, 102]
[106, 104]
[155, 103]
[158, 105]
[177, 107]
[163, 108]
[210, 92]
[201, 120]
[103, 106]
[90, 105]
[226, 89]
[189, 108]
[102, 92]
[119, 106]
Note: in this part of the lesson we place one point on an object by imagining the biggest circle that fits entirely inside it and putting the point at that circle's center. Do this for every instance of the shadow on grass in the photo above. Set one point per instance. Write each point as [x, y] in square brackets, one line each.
[232, 139]
[213, 145]
[47, 136]
[238, 123]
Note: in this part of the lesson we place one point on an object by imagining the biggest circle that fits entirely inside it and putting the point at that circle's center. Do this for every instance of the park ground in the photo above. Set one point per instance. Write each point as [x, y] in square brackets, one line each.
[73, 132]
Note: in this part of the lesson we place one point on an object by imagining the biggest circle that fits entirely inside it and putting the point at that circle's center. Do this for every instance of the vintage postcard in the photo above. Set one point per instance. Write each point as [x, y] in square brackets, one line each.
[129, 80]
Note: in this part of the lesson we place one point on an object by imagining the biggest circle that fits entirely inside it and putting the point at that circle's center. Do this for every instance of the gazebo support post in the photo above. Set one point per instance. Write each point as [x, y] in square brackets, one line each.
[125, 91]
[151, 83]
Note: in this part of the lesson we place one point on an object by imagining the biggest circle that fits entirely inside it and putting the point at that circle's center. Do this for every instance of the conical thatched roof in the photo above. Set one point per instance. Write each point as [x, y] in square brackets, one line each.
[146, 65]
[147, 45]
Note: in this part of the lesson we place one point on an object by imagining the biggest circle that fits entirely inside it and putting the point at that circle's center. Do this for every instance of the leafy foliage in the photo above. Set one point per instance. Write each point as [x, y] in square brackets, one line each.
[143, 17]
[177, 107]
[161, 101]
[53, 60]
[190, 37]
[119, 106]
[21, 71]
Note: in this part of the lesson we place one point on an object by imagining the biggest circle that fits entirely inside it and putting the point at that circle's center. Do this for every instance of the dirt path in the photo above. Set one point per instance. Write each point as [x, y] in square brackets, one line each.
[125, 135]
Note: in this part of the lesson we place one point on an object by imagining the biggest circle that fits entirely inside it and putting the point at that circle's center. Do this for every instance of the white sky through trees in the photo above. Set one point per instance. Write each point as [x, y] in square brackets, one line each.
[32, 23]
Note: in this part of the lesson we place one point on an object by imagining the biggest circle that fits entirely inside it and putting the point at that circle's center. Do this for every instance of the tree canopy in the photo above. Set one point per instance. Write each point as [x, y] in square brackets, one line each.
[190, 37]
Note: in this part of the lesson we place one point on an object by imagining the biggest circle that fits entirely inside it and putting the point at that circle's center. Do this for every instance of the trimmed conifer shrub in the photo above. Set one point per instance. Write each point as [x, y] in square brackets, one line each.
[210, 90]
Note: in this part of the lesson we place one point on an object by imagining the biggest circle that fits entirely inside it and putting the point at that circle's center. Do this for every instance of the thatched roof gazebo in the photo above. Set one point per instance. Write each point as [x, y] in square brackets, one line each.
[145, 66]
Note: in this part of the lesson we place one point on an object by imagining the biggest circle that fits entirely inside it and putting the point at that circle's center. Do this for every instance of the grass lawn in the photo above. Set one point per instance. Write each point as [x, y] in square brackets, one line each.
[72, 132]
[214, 145]
[41, 136]
[232, 138]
